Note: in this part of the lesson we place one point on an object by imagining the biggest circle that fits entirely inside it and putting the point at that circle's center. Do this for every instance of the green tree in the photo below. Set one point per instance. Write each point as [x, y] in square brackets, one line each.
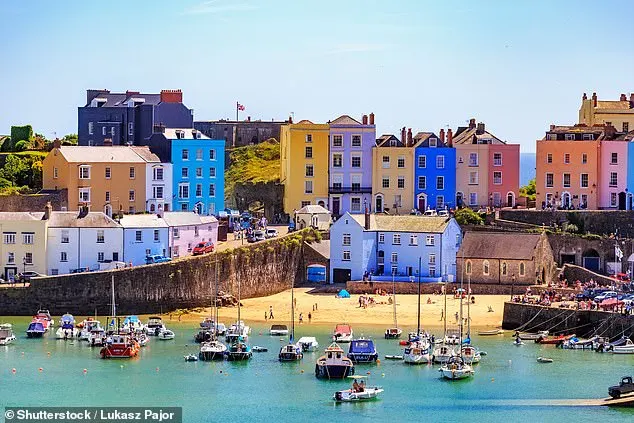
[14, 169]
[466, 216]
[529, 190]
[21, 146]
[70, 139]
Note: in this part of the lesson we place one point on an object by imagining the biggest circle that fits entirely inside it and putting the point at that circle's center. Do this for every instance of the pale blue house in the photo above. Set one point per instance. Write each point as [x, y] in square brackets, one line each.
[143, 235]
[406, 245]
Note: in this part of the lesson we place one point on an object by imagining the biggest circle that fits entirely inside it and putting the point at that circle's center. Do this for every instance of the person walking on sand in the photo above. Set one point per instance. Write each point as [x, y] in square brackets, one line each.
[457, 317]
[265, 315]
[271, 313]
[442, 315]
[309, 317]
[301, 318]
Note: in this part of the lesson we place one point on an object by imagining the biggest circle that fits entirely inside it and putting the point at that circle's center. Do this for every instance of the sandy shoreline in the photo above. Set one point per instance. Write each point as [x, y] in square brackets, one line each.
[331, 310]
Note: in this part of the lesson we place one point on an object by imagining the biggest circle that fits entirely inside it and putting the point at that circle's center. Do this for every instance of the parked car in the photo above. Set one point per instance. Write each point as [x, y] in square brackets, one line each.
[430, 213]
[26, 276]
[585, 295]
[271, 233]
[259, 235]
[605, 296]
[203, 248]
[291, 226]
[156, 258]
[443, 213]
[625, 387]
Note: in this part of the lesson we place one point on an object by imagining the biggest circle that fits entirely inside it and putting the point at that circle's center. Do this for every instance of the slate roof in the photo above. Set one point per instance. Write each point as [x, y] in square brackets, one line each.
[421, 139]
[181, 218]
[142, 221]
[312, 209]
[119, 154]
[466, 135]
[495, 245]
[72, 219]
[14, 216]
[345, 120]
[121, 99]
[170, 133]
[322, 248]
[405, 223]
[384, 141]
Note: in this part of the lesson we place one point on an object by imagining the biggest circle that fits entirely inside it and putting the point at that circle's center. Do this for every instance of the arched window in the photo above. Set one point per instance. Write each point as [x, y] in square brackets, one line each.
[522, 269]
[485, 267]
[468, 267]
[504, 269]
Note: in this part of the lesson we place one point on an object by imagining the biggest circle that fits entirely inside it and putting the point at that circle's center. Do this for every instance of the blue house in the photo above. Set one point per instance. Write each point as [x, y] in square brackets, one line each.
[130, 117]
[380, 245]
[434, 172]
[198, 166]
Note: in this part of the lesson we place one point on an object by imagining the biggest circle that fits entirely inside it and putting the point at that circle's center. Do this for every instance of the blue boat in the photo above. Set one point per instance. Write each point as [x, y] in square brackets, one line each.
[362, 351]
[36, 329]
[239, 351]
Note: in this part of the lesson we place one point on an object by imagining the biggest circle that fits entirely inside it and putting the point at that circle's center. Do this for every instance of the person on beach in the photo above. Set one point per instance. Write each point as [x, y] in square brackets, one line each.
[309, 317]
[301, 318]
[271, 313]
[265, 315]
[442, 315]
[457, 317]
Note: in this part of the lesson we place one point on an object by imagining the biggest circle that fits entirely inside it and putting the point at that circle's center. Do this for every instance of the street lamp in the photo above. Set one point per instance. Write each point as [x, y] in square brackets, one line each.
[24, 271]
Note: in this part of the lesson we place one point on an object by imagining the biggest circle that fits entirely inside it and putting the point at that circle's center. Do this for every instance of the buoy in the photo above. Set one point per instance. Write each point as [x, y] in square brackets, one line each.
[13, 370]
[382, 374]
[301, 371]
[157, 369]
[367, 373]
[492, 379]
[85, 371]
[40, 369]
[22, 352]
[48, 353]
[121, 366]
[220, 371]
[378, 361]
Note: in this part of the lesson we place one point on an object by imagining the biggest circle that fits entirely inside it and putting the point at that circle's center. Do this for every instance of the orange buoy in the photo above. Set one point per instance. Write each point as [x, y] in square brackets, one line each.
[40, 369]
[85, 371]
[367, 373]
[13, 370]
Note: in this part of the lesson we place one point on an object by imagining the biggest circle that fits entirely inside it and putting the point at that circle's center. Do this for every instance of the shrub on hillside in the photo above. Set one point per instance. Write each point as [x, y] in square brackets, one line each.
[466, 216]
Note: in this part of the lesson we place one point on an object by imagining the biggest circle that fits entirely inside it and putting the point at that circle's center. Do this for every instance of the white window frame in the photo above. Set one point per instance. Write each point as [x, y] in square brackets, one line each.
[131, 195]
[614, 176]
[476, 180]
[587, 177]
[353, 207]
[566, 158]
[101, 236]
[84, 194]
[552, 176]
[132, 172]
[549, 158]
[309, 171]
[563, 180]
[91, 128]
[400, 160]
[473, 198]
[28, 238]
[396, 239]
[212, 190]
[308, 187]
[352, 140]
[63, 256]
[84, 172]
[158, 173]
[212, 154]
[495, 161]
[422, 161]
[55, 173]
[413, 240]
[185, 154]
[440, 179]
[65, 236]
[499, 180]
[381, 238]
[352, 158]
[181, 188]
[440, 162]
[337, 140]
[345, 255]
[138, 236]
[346, 239]
[400, 185]
[473, 163]
[394, 257]
[199, 154]
[430, 240]
[385, 164]
[337, 160]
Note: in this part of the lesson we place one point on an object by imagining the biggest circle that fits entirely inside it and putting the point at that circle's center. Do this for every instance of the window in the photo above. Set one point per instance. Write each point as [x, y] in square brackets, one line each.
[10, 258]
[440, 162]
[309, 152]
[158, 173]
[184, 207]
[27, 238]
[199, 172]
[199, 154]
[337, 181]
[91, 128]
[156, 235]
[588, 137]
[9, 237]
[386, 162]
[28, 258]
[131, 195]
[346, 239]
[485, 267]
[473, 159]
[440, 182]
[131, 128]
[212, 172]
[199, 190]
[183, 191]
[55, 173]
[613, 199]
[308, 187]
[63, 256]
[522, 269]
[346, 255]
[614, 159]
[570, 137]
[614, 179]
[185, 154]
[396, 239]
[549, 158]
[175, 233]
[497, 199]
[381, 238]
[138, 236]
[432, 259]
[584, 158]
[468, 267]
[566, 180]
[433, 142]
[305, 203]
[440, 201]
[100, 236]
[422, 162]
[550, 180]
[473, 198]
[337, 140]
[422, 182]
[212, 154]
[356, 140]
[310, 171]
[100, 257]
[626, 127]
[64, 237]
[84, 172]
[185, 172]
[108, 173]
[385, 182]
[504, 269]
[355, 204]
[400, 162]
[84, 195]
[413, 240]
[473, 178]
[584, 180]
[429, 240]
[584, 199]
[112, 131]
[132, 173]
[212, 190]
[309, 138]
[337, 160]
[567, 158]
[400, 183]
[497, 178]
[103, 130]
[356, 161]
[196, 234]
[394, 257]
[158, 192]
[497, 159]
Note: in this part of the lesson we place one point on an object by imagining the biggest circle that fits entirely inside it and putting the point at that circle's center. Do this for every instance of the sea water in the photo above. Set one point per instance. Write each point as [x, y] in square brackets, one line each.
[509, 384]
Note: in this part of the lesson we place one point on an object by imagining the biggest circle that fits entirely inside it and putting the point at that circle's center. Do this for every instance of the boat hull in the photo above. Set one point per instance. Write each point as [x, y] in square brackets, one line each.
[368, 394]
[393, 333]
[286, 356]
[7, 341]
[211, 355]
[330, 371]
[342, 338]
[363, 358]
[456, 374]
[239, 356]
[417, 358]
[34, 334]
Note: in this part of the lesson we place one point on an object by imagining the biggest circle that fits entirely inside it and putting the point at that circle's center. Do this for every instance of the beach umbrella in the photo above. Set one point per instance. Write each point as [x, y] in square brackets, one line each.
[344, 294]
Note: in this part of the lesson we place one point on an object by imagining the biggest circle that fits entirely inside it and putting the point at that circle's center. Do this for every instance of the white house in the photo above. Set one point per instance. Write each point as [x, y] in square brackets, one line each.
[186, 229]
[158, 187]
[82, 240]
[383, 245]
[143, 235]
[313, 216]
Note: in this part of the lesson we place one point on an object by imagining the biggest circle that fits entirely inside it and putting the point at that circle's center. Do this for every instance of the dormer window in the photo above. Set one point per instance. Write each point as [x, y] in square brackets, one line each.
[433, 142]
[588, 137]
[393, 143]
[570, 137]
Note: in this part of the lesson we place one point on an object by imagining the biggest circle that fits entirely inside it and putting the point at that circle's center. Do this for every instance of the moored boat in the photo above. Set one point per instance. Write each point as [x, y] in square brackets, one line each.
[97, 336]
[155, 326]
[417, 352]
[212, 350]
[87, 326]
[278, 330]
[132, 324]
[291, 352]
[44, 314]
[553, 340]
[359, 392]
[362, 351]
[491, 332]
[236, 331]
[579, 344]
[342, 333]
[524, 336]
[6, 334]
[544, 360]
[120, 346]
[308, 343]
[239, 350]
[442, 353]
[166, 335]
[456, 368]
[67, 330]
[37, 328]
[190, 357]
[334, 364]
[627, 348]
[470, 354]
[393, 333]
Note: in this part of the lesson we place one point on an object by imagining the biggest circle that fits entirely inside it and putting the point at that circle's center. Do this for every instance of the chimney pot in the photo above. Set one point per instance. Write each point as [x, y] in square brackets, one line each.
[472, 123]
[372, 118]
[57, 143]
[631, 100]
[410, 142]
[623, 97]
[290, 119]
[442, 135]
[364, 119]
[248, 118]
[594, 99]
[585, 96]
[48, 209]
[449, 137]
[480, 128]
[403, 136]
[552, 127]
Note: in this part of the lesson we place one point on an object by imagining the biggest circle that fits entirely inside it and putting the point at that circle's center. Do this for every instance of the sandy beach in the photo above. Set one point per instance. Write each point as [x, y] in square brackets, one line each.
[332, 310]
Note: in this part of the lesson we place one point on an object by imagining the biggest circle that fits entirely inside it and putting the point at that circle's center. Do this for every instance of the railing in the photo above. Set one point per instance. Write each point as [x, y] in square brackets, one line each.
[345, 190]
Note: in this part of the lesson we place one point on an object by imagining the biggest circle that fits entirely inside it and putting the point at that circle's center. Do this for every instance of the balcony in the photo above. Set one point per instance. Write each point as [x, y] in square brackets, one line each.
[350, 190]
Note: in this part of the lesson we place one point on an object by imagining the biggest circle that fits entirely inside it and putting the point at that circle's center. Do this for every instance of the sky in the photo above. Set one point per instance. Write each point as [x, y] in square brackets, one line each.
[516, 65]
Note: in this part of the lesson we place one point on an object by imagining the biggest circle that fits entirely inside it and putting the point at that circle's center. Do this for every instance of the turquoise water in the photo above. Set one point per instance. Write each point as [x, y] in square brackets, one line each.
[509, 383]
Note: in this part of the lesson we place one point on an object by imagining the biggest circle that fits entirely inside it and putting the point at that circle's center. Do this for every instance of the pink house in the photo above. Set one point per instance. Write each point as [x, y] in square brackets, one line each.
[612, 173]
[186, 229]
[504, 174]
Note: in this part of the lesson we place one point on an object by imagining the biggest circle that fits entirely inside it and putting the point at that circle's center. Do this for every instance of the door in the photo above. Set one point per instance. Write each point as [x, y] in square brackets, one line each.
[459, 200]
[378, 204]
[510, 199]
[422, 204]
[9, 273]
[336, 201]
[622, 197]
[115, 256]
[341, 275]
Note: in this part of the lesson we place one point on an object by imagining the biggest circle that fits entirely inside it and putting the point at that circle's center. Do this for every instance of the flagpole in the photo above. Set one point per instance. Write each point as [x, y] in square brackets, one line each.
[237, 109]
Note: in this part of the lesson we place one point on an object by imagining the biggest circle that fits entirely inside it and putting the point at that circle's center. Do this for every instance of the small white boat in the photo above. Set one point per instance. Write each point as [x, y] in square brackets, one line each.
[455, 368]
[393, 357]
[452, 338]
[544, 360]
[142, 339]
[190, 357]
[6, 334]
[166, 335]
[87, 326]
[342, 333]
[97, 337]
[212, 350]
[291, 352]
[278, 330]
[308, 343]
[393, 333]
[67, 329]
[358, 393]
[132, 324]
[417, 352]
[518, 342]
[627, 348]
[238, 331]
[532, 336]
[491, 332]
[442, 353]
[259, 349]
[155, 326]
[470, 354]
[579, 343]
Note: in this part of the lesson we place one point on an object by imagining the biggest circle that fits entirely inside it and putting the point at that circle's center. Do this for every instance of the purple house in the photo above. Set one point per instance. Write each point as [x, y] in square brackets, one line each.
[350, 170]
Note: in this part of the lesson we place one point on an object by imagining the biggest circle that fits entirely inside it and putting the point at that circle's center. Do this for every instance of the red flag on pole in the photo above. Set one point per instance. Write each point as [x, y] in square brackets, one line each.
[240, 107]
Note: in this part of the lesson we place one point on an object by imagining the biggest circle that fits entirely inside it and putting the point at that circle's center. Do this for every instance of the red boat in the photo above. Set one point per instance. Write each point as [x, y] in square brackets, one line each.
[554, 340]
[120, 346]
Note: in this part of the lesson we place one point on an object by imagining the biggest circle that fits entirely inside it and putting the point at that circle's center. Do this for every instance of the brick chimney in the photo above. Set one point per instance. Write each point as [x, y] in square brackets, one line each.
[290, 119]
[472, 123]
[585, 96]
[171, 96]
[48, 209]
[609, 131]
[364, 119]
[623, 97]
[128, 93]
[57, 143]
[372, 118]
[594, 99]
[410, 141]
[442, 135]
[631, 100]
[403, 136]
[248, 118]
[480, 128]
[367, 218]
[552, 127]
[449, 137]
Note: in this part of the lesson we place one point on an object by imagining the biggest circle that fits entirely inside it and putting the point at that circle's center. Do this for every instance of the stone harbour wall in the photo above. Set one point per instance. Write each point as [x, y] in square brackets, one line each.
[360, 287]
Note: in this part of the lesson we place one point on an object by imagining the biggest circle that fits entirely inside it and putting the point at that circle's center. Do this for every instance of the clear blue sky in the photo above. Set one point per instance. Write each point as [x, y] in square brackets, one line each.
[516, 65]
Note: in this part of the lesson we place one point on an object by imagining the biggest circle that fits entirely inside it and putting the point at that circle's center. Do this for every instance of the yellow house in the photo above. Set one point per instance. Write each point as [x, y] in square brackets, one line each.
[619, 114]
[24, 241]
[304, 164]
[392, 176]
[106, 179]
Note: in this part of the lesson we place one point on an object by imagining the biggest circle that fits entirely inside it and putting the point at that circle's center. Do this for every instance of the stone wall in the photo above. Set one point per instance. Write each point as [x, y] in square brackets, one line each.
[359, 287]
[581, 322]
[569, 247]
[34, 202]
[573, 273]
[256, 270]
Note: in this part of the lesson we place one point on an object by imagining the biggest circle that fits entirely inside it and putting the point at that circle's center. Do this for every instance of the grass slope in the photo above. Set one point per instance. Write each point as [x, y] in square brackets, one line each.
[253, 164]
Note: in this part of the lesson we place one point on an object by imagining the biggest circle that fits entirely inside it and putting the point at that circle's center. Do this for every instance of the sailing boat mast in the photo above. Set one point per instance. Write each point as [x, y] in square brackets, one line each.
[461, 294]
[469, 307]
[420, 261]
[394, 298]
[292, 313]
